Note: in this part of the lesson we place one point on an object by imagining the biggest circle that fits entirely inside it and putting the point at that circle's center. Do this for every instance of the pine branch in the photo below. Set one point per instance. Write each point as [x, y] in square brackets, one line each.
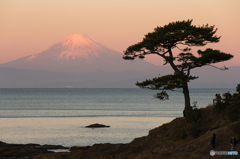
[222, 69]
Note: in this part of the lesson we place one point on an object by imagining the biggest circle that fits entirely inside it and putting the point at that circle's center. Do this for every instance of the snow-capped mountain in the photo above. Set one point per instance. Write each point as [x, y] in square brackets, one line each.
[78, 53]
[74, 46]
[78, 61]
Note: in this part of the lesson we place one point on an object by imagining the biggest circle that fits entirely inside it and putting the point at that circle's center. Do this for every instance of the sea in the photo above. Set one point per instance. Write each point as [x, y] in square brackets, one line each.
[58, 116]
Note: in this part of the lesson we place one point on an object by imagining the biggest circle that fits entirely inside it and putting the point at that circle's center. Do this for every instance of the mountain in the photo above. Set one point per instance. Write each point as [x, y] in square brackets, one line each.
[210, 77]
[79, 53]
[22, 78]
[78, 61]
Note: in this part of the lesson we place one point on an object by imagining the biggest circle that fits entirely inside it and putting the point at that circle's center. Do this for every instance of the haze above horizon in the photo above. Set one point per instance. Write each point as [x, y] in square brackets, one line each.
[29, 27]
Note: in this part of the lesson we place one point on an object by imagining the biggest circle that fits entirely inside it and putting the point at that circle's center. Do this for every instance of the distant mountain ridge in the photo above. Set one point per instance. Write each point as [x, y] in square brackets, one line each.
[78, 61]
[20, 78]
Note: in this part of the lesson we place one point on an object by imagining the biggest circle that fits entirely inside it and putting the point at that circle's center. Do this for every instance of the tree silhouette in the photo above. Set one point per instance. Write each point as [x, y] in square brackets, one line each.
[181, 36]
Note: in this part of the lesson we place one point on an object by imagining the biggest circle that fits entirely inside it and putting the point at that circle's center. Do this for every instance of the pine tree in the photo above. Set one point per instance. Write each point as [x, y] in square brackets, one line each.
[182, 36]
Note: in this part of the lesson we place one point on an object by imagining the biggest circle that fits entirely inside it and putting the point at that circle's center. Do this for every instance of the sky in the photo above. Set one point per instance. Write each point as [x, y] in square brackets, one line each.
[30, 26]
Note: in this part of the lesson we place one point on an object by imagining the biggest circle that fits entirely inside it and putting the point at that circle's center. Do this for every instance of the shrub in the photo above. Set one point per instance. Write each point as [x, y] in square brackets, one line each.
[238, 88]
[195, 115]
[234, 108]
[219, 107]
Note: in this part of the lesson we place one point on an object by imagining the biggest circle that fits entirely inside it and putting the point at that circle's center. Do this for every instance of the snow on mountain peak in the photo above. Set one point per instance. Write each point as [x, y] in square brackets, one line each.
[75, 40]
[78, 46]
[73, 46]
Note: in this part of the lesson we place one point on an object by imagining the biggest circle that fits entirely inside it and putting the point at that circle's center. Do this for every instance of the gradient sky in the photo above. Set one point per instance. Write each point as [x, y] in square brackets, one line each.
[30, 26]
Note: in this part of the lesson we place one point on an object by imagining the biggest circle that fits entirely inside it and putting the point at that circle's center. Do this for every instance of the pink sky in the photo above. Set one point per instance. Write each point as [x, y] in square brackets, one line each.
[28, 26]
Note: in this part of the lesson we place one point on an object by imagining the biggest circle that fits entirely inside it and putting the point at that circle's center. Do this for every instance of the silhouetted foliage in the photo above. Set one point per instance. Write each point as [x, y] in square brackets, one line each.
[234, 108]
[230, 107]
[181, 35]
[195, 115]
[238, 88]
[219, 107]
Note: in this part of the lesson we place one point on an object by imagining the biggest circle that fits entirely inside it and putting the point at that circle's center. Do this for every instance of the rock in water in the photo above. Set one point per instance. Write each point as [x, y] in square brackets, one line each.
[97, 126]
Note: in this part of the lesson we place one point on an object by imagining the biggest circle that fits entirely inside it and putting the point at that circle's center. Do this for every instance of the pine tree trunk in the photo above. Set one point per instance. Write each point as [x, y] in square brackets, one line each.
[187, 101]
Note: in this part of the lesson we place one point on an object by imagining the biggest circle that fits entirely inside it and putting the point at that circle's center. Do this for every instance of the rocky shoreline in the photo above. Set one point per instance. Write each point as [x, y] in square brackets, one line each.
[26, 150]
[174, 140]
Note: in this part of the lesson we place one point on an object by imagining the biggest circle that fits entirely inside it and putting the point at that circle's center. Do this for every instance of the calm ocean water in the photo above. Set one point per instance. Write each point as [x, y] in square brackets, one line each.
[58, 116]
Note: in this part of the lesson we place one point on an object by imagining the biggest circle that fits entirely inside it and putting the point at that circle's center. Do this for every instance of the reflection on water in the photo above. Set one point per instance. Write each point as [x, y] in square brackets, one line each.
[72, 131]
[59, 150]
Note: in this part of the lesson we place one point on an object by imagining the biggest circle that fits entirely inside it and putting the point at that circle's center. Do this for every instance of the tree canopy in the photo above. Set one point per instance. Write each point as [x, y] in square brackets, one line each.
[181, 36]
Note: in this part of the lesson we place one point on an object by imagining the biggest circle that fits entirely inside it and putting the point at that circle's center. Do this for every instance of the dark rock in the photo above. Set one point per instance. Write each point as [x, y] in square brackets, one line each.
[74, 148]
[97, 126]
[25, 150]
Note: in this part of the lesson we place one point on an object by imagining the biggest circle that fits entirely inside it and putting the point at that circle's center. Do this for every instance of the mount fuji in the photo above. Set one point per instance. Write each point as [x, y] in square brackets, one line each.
[75, 61]
[79, 61]
[79, 53]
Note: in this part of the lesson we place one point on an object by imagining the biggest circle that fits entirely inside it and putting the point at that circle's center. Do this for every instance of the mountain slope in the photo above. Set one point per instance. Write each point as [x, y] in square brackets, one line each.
[210, 77]
[20, 78]
[79, 53]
